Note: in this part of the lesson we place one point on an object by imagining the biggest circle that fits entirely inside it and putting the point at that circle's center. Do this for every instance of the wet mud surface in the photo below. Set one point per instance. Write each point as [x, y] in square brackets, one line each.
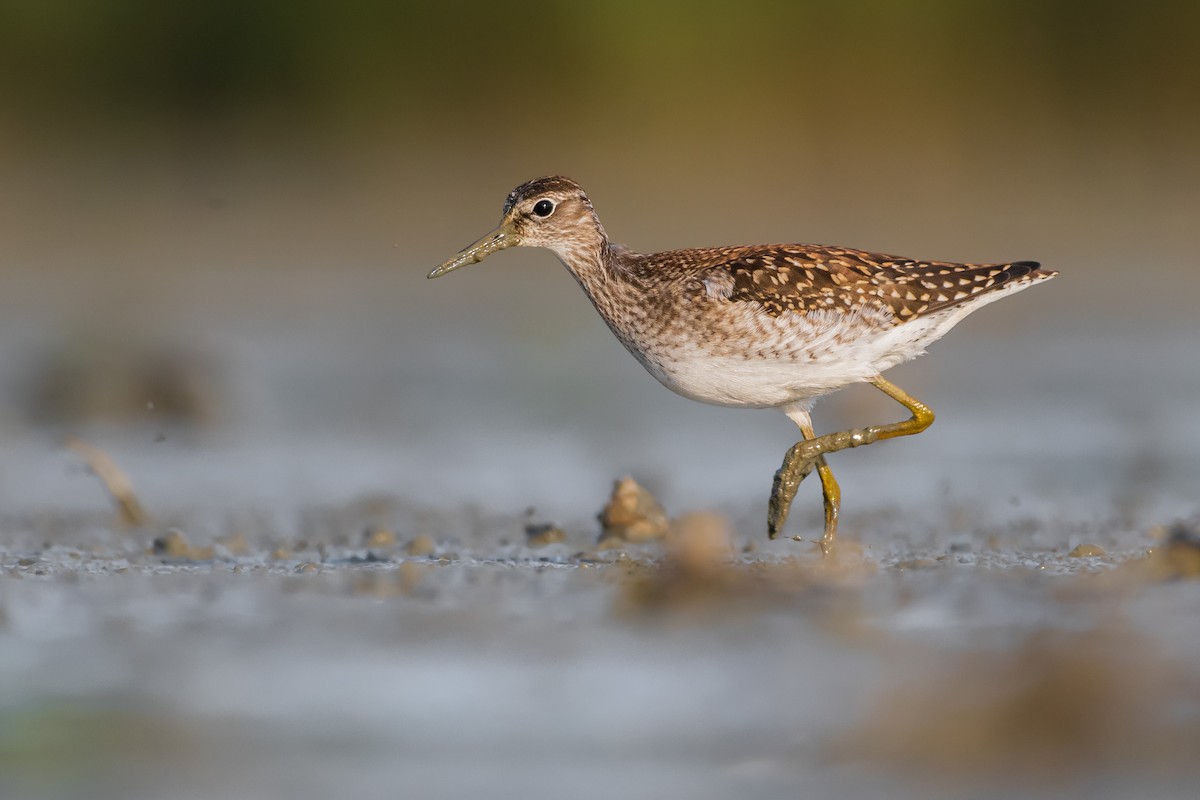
[435, 585]
[376, 652]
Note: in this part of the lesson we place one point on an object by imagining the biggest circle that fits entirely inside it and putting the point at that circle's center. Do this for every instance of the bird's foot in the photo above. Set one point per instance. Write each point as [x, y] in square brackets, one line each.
[797, 464]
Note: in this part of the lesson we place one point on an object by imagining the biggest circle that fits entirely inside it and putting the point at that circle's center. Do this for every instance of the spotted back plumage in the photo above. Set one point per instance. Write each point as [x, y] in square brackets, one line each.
[808, 278]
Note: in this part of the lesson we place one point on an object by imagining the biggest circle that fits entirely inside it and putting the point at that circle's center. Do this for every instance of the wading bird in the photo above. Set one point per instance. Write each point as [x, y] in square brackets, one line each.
[759, 326]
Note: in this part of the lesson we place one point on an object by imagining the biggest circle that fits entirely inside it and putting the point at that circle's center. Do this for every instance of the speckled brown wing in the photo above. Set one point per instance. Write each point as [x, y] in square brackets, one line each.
[807, 278]
[925, 287]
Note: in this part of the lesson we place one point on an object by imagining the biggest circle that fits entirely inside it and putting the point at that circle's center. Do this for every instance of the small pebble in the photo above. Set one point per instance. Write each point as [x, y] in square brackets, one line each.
[542, 535]
[173, 544]
[1086, 551]
[378, 538]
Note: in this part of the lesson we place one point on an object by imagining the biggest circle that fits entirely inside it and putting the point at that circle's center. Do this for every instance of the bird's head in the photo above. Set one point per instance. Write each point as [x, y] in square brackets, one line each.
[552, 212]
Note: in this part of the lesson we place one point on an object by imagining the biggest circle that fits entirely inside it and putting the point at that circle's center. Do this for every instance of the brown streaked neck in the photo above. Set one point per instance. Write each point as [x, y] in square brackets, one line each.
[604, 271]
[591, 257]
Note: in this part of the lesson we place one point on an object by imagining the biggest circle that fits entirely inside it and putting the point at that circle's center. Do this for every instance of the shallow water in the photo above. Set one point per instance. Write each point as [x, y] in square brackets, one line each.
[298, 662]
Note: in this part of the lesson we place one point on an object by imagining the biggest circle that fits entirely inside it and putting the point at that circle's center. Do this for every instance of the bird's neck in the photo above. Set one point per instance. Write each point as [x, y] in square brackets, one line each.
[594, 261]
[603, 270]
[606, 272]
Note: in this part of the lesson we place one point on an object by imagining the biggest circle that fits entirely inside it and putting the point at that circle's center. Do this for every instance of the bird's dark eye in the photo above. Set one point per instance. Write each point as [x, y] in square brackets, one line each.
[543, 208]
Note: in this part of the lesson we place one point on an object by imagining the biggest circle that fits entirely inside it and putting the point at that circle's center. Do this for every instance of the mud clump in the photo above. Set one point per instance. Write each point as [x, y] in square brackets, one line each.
[1176, 558]
[699, 544]
[1057, 705]
[544, 534]
[695, 576]
[174, 544]
[235, 544]
[1179, 557]
[702, 577]
[421, 546]
[631, 515]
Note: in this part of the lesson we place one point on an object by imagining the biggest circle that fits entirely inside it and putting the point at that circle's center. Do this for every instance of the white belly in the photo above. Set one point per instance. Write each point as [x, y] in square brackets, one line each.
[795, 359]
[757, 383]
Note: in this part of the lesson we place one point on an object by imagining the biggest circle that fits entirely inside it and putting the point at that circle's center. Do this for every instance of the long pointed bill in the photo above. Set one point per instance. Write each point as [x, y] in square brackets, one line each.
[499, 239]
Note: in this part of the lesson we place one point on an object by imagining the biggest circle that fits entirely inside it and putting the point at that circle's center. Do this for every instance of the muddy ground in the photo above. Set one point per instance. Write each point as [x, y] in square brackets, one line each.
[334, 590]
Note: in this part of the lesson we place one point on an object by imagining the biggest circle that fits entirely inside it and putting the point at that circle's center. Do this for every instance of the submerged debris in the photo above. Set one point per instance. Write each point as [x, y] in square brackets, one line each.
[632, 515]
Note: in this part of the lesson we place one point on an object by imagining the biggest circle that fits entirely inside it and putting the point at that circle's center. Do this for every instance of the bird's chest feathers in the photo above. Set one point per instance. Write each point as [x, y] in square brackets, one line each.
[735, 354]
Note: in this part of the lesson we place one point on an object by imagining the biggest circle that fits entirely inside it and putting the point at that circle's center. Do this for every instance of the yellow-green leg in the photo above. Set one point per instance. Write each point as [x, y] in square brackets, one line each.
[810, 452]
[830, 491]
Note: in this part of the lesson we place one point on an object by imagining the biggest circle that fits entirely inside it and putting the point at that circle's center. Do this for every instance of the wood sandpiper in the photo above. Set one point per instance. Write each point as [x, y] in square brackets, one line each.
[759, 326]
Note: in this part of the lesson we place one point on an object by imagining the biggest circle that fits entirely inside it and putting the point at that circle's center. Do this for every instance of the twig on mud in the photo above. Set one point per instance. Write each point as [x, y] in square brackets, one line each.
[117, 483]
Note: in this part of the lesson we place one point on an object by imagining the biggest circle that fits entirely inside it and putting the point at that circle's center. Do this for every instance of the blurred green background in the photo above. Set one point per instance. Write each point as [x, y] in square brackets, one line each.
[182, 135]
